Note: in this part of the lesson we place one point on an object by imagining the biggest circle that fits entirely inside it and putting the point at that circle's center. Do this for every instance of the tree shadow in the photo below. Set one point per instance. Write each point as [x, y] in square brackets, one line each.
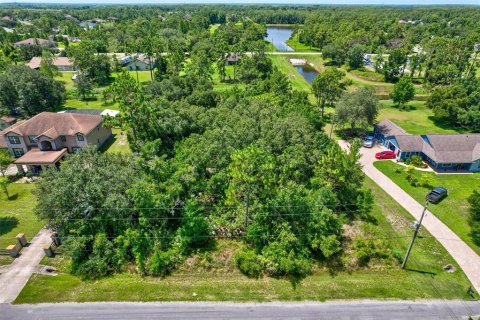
[7, 224]
[444, 124]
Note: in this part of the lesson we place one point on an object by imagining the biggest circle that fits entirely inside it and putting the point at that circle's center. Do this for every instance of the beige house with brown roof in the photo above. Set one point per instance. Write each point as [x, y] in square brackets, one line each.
[43, 140]
[62, 63]
[35, 42]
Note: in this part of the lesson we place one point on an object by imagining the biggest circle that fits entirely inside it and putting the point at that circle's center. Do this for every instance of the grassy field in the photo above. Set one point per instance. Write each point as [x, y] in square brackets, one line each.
[453, 210]
[212, 276]
[16, 216]
[416, 119]
[283, 64]
[297, 46]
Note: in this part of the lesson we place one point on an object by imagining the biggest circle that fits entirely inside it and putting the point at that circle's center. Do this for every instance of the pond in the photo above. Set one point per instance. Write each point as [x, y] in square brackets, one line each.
[278, 36]
[307, 71]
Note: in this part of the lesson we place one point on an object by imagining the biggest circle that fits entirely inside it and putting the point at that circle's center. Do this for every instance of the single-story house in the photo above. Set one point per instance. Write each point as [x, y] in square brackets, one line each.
[43, 140]
[140, 62]
[62, 63]
[440, 151]
[35, 42]
[7, 121]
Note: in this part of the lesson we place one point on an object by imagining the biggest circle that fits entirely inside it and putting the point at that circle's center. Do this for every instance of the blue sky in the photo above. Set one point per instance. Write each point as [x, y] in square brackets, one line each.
[378, 2]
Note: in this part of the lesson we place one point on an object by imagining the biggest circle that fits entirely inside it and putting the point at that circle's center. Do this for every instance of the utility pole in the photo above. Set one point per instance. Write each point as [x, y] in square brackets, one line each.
[331, 128]
[417, 228]
[247, 204]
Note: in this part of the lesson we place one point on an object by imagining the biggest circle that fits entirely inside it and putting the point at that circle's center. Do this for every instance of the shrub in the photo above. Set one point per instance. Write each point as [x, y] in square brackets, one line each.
[426, 181]
[248, 263]
[162, 263]
[367, 249]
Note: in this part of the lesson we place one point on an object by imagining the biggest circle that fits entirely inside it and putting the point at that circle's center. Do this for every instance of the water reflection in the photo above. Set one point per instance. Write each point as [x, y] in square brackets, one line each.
[278, 36]
[307, 71]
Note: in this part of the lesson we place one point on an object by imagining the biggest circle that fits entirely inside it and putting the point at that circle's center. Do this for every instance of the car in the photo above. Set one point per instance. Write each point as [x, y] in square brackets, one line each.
[369, 141]
[389, 154]
[437, 195]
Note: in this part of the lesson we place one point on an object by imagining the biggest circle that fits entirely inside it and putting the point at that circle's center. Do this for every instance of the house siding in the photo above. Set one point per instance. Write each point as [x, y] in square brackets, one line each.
[475, 166]
[98, 136]
[138, 65]
[10, 146]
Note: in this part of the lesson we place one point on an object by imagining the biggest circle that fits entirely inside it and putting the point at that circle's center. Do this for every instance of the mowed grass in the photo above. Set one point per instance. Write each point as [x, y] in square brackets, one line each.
[16, 216]
[213, 276]
[416, 118]
[453, 210]
[118, 142]
[283, 64]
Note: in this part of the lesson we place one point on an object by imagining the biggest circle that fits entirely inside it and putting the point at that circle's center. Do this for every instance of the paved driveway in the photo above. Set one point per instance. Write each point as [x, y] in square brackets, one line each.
[15, 276]
[466, 258]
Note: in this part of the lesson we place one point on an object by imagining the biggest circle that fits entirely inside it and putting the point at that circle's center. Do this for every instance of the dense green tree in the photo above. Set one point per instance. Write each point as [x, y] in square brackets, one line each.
[395, 65]
[83, 86]
[403, 91]
[328, 86]
[357, 109]
[355, 56]
[27, 92]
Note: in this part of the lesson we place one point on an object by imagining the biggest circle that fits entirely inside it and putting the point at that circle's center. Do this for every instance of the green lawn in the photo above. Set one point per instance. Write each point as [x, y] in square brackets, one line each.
[298, 46]
[453, 210]
[118, 142]
[212, 276]
[416, 119]
[16, 216]
[283, 64]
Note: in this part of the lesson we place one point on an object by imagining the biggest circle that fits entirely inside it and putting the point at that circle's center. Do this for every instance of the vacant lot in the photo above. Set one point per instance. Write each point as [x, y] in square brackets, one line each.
[16, 216]
[416, 118]
[212, 275]
[453, 210]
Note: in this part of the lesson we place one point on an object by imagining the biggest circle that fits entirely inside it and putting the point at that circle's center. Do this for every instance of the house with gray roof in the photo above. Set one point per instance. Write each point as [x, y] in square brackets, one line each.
[440, 151]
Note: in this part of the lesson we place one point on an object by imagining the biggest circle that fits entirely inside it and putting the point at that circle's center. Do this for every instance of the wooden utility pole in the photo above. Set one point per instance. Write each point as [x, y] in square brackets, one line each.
[417, 228]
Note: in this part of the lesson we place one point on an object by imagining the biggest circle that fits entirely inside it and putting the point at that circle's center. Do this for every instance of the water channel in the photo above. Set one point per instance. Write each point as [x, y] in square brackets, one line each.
[278, 37]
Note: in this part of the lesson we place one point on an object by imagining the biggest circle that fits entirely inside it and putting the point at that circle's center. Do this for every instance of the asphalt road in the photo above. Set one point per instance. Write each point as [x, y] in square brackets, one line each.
[392, 310]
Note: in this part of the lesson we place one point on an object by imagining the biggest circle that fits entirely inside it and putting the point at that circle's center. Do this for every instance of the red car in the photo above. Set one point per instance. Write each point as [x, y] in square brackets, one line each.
[386, 155]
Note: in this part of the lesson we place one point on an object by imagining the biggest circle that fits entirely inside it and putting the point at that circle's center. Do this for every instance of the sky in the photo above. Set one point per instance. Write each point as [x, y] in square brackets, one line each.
[332, 2]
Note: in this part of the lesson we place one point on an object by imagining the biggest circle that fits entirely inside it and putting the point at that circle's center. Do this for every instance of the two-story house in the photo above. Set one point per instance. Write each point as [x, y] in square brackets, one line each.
[43, 140]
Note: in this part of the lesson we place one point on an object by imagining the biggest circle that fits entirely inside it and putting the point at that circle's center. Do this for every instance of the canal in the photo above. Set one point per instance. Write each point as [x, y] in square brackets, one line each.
[307, 71]
[278, 37]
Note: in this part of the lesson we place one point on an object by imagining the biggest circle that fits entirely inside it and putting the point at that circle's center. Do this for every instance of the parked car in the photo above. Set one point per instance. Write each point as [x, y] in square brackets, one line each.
[368, 141]
[386, 155]
[437, 194]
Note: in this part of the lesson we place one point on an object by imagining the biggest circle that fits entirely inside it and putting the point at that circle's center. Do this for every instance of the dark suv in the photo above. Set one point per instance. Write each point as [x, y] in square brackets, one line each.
[437, 194]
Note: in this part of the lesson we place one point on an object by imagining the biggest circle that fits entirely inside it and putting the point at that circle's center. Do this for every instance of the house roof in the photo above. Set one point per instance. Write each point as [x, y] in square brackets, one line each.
[35, 156]
[443, 148]
[8, 119]
[409, 143]
[56, 61]
[388, 128]
[55, 124]
[143, 58]
[35, 41]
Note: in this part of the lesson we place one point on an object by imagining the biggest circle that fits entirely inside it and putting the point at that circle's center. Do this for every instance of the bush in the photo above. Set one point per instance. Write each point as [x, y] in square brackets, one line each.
[367, 249]
[248, 263]
[162, 263]
[415, 161]
[426, 181]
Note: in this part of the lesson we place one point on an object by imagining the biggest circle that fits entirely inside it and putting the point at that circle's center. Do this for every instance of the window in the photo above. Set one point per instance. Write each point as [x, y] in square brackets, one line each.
[63, 138]
[33, 139]
[14, 140]
[18, 152]
[80, 137]
[75, 149]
